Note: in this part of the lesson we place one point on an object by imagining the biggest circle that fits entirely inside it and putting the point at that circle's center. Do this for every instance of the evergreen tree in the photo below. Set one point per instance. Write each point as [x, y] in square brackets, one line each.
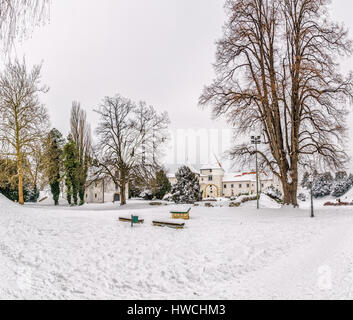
[83, 172]
[305, 180]
[53, 162]
[187, 188]
[162, 184]
[342, 184]
[72, 168]
[322, 185]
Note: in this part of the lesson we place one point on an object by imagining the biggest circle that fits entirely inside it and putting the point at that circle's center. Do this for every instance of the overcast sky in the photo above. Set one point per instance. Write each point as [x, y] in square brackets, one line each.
[160, 51]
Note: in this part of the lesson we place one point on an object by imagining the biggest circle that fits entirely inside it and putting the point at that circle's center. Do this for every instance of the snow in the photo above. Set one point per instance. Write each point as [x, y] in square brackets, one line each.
[244, 177]
[267, 202]
[211, 166]
[6, 204]
[62, 252]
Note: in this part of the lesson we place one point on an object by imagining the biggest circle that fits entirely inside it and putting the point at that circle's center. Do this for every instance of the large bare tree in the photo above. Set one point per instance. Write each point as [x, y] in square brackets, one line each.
[278, 74]
[17, 17]
[81, 134]
[131, 136]
[23, 119]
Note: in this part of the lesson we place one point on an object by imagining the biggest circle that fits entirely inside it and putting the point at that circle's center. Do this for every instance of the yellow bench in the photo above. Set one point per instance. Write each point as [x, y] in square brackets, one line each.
[181, 215]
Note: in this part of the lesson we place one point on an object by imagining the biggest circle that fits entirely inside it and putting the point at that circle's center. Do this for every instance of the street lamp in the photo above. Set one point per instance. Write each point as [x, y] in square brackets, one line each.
[256, 141]
[312, 197]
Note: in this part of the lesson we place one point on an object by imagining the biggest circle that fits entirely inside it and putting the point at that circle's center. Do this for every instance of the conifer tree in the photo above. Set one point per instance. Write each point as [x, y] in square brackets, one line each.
[162, 184]
[187, 188]
[71, 167]
[342, 184]
[322, 185]
[53, 162]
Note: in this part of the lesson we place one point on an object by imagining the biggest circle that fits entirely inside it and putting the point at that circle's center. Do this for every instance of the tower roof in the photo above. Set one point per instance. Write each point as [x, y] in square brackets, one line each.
[211, 166]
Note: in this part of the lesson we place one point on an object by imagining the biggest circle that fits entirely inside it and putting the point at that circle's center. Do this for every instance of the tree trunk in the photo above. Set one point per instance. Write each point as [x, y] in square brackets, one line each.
[290, 193]
[123, 193]
[81, 194]
[20, 179]
[75, 192]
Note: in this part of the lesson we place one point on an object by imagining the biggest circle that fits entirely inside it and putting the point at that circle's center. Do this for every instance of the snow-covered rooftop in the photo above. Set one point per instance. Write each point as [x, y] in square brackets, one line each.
[243, 177]
[211, 166]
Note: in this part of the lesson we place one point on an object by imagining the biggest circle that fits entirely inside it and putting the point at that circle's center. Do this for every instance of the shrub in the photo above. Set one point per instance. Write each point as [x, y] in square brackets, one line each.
[155, 203]
[234, 205]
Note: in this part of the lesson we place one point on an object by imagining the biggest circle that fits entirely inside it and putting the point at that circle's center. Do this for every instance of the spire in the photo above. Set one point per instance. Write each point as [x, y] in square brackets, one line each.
[220, 164]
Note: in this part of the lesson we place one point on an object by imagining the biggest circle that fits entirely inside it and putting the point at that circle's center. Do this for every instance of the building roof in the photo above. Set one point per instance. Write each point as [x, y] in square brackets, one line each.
[212, 166]
[243, 177]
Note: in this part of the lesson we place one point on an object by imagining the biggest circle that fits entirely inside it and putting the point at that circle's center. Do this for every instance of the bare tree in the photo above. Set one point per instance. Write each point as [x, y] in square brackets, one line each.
[33, 167]
[81, 134]
[17, 17]
[23, 119]
[130, 139]
[277, 72]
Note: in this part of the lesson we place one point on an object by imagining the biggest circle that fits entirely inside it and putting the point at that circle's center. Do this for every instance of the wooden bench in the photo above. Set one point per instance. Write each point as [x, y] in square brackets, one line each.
[43, 199]
[169, 224]
[181, 215]
[130, 220]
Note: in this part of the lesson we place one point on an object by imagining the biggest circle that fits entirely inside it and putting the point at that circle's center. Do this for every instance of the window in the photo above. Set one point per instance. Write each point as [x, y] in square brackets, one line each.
[211, 171]
[248, 185]
[262, 185]
[240, 185]
[95, 196]
[232, 186]
[210, 178]
[225, 186]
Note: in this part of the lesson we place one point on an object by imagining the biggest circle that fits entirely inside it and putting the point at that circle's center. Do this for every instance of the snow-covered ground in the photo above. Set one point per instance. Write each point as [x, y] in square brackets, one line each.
[223, 253]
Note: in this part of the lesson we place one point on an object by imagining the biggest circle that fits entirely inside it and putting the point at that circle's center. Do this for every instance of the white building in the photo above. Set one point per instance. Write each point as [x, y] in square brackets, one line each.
[215, 182]
[104, 190]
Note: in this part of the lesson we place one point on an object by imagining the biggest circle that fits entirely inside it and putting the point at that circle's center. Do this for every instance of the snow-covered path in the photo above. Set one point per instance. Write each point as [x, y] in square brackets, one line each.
[223, 253]
[321, 269]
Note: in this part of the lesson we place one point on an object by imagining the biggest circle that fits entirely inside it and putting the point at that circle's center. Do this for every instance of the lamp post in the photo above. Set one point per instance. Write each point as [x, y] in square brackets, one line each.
[312, 198]
[256, 141]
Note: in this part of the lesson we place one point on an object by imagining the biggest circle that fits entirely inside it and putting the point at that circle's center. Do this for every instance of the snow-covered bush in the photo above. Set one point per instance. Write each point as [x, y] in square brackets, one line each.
[322, 185]
[302, 197]
[156, 203]
[274, 193]
[168, 197]
[146, 195]
[187, 188]
[234, 204]
[325, 185]
[342, 184]
[305, 180]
